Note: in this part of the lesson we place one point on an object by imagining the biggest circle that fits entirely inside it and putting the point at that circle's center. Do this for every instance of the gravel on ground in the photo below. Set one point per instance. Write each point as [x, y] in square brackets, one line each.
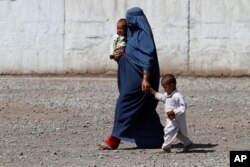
[57, 121]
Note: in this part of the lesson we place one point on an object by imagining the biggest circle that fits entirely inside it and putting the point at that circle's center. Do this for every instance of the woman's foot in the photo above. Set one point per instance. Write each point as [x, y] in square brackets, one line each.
[104, 146]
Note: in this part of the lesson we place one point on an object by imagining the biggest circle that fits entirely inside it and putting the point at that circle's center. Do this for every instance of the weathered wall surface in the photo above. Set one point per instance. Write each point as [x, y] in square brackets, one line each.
[220, 37]
[90, 24]
[31, 38]
[72, 36]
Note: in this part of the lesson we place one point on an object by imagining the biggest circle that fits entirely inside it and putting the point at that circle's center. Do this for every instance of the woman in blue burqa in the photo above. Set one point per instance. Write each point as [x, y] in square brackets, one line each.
[136, 119]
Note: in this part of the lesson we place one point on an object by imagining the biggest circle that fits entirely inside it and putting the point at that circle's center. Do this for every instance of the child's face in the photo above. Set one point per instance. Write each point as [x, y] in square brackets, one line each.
[169, 88]
[121, 28]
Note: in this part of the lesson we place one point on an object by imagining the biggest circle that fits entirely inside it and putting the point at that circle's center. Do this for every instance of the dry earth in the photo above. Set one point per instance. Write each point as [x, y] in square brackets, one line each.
[57, 121]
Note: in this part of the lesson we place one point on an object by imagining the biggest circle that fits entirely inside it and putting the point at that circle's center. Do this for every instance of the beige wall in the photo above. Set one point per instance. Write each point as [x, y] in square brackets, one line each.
[198, 37]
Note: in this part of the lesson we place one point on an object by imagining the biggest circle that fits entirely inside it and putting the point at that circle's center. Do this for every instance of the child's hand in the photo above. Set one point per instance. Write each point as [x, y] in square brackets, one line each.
[152, 91]
[171, 115]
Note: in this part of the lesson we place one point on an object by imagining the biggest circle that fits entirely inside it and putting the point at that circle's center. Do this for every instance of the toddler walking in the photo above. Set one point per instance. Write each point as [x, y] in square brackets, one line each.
[175, 110]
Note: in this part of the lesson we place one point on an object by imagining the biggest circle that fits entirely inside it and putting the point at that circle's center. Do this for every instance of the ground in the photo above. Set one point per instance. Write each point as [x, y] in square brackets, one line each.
[57, 121]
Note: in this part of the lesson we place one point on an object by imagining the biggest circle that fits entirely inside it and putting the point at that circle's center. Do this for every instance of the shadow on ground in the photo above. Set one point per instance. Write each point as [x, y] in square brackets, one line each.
[196, 148]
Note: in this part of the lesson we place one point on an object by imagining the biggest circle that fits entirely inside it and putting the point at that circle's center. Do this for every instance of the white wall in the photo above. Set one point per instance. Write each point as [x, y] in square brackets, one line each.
[31, 38]
[220, 37]
[90, 24]
[72, 36]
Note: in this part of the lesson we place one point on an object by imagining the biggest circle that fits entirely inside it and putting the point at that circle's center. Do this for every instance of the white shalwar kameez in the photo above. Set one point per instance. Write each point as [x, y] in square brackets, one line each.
[177, 127]
[118, 42]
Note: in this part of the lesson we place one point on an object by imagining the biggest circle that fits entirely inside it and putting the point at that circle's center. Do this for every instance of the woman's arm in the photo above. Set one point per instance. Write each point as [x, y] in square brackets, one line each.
[145, 83]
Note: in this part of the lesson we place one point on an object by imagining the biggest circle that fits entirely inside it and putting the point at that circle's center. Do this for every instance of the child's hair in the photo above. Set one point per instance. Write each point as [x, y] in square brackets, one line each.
[168, 79]
[122, 21]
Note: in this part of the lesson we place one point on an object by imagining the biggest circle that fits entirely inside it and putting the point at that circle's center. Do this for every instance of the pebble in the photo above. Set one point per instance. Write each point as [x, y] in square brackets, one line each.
[219, 127]
[74, 132]
[40, 132]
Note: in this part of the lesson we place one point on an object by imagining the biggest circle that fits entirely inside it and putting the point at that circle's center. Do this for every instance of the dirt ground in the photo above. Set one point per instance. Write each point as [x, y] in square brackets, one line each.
[57, 121]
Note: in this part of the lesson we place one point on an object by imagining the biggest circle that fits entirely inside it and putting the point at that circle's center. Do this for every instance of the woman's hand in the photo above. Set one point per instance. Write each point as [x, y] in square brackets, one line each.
[145, 86]
[117, 54]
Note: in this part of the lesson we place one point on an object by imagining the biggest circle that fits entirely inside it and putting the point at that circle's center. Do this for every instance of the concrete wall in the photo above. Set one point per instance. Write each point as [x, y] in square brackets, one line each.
[220, 37]
[198, 37]
[31, 36]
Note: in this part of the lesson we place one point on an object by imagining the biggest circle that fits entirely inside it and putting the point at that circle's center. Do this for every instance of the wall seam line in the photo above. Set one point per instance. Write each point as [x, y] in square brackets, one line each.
[64, 69]
[188, 34]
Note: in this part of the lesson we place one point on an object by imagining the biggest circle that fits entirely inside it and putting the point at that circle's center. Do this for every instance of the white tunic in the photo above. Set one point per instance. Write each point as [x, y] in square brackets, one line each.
[176, 102]
[118, 42]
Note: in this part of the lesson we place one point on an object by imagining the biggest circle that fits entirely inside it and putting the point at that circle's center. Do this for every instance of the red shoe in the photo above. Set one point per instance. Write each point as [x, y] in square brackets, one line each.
[113, 142]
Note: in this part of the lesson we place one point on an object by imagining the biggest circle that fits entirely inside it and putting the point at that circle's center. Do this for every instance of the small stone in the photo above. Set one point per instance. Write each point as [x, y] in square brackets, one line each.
[219, 127]
[21, 153]
[210, 109]
[54, 153]
[74, 132]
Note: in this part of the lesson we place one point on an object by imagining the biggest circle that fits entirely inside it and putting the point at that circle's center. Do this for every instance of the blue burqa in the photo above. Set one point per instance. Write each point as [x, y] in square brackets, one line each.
[136, 119]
